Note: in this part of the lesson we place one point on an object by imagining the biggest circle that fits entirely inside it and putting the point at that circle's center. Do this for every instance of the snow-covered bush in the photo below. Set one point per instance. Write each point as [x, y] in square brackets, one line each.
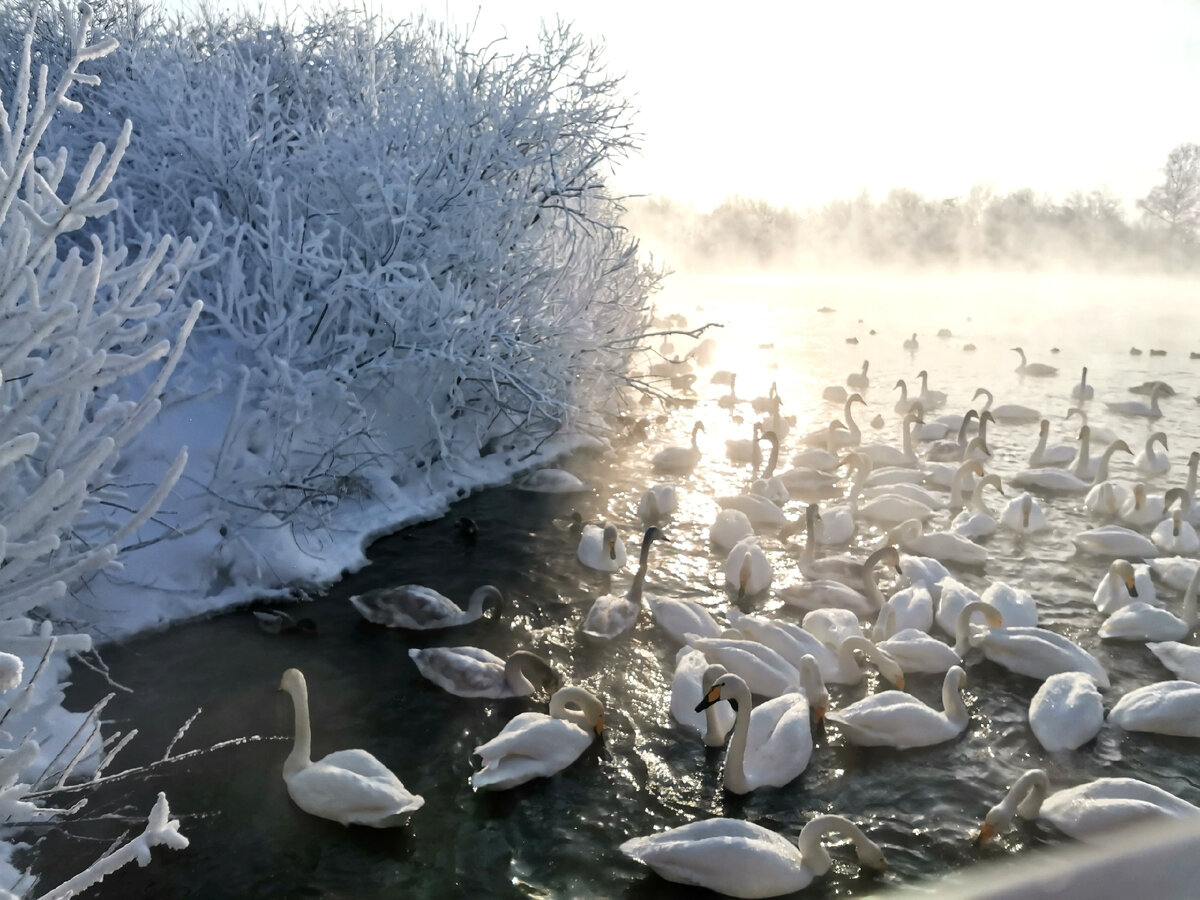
[85, 352]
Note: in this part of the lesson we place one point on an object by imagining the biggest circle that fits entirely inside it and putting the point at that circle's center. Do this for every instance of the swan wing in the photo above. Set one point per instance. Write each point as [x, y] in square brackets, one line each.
[1040, 653]
[1167, 707]
[1110, 803]
[893, 719]
[463, 671]
[1140, 621]
[531, 745]
[352, 787]
[778, 741]
[1182, 659]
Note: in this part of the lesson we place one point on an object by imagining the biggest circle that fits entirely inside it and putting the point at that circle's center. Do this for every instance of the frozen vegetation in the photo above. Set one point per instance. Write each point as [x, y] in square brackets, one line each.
[265, 294]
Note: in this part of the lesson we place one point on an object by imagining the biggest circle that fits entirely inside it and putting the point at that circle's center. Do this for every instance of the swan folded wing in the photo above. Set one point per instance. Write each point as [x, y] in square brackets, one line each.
[736, 858]
[352, 787]
[1166, 707]
[1082, 817]
[551, 742]
[463, 671]
[407, 606]
[1040, 653]
[893, 719]
[609, 616]
[778, 742]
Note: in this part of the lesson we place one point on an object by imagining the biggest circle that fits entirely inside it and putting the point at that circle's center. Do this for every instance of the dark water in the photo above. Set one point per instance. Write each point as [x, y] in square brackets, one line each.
[558, 837]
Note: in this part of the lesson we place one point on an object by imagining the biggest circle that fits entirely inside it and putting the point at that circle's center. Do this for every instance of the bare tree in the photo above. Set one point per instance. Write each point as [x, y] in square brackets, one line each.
[1176, 201]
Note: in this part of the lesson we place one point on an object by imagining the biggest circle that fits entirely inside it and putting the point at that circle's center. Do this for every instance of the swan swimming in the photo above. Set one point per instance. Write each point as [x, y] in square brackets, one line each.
[693, 679]
[601, 548]
[1037, 370]
[1066, 712]
[1166, 707]
[679, 460]
[1035, 652]
[897, 719]
[420, 608]
[611, 615]
[475, 672]
[1137, 407]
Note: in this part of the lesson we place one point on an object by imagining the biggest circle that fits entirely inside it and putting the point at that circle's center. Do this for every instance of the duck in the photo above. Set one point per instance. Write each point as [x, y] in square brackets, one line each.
[601, 548]
[475, 672]
[420, 608]
[900, 720]
[1086, 812]
[1035, 652]
[1149, 461]
[679, 460]
[678, 616]
[1182, 659]
[1083, 390]
[1024, 515]
[741, 859]
[729, 527]
[1066, 711]
[771, 744]
[1044, 457]
[1114, 540]
[551, 481]
[657, 503]
[1165, 707]
[611, 615]
[943, 546]
[1006, 413]
[276, 621]
[1037, 370]
[1137, 407]
[747, 568]
[693, 679]
[536, 745]
[859, 381]
[347, 786]
[977, 522]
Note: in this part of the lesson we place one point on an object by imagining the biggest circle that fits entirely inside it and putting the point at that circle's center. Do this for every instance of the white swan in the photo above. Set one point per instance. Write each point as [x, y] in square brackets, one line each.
[770, 485]
[859, 381]
[1106, 499]
[740, 859]
[1149, 461]
[1083, 390]
[420, 608]
[746, 450]
[693, 679]
[1182, 659]
[658, 502]
[535, 745]
[747, 569]
[887, 455]
[897, 719]
[832, 626]
[1006, 413]
[1043, 456]
[611, 615]
[912, 344]
[1142, 621]
[474, 672]
[1084, 466]
[1119, 587]
[1138, 408]
[847, 570]
[952, 450]
[1175, 535]
[679, 460]
[766, 671]
[913, 650]
[1166, 707]
[1058, 480]
[347, 786]
[756, 508]
[771, 743]
[550, 481]
[911, 607]
[1114, 540]
[826, 459]
[847, 438]
[601, 548]
[729, 527]
[1084, 812]
[1066, 712]
[941, 545]
[1174, 571]
[927, 398]
[1024, 515]
[825, 593]
[1015, 605]
[955, 595]
[1026, 650]
[976, 522]
[680, 616]
[1037, 370]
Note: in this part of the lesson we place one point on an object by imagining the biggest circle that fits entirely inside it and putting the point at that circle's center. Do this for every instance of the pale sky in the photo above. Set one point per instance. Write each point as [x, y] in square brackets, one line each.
[805, 101]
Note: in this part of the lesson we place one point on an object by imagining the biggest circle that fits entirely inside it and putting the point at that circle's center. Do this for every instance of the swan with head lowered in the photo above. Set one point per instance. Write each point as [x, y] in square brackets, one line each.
[693, 679]
[658, 502]
[747, 568]
[771, 743]
[1138, 408]
[1024, 515]
[475, 672]
[943, 546]
[1085, 812]
[1066, 712]
[900, 720]
[420, 608]
[535, 745]
[611, 615]
[1026, 650]
[741, 859]
[347, 786]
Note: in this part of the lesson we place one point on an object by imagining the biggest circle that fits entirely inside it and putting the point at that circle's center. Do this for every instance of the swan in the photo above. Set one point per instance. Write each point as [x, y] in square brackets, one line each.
[831, 626]
[1066, 712]
[693, 679]
[474, 672]
[743, 450]
[1045, 457]
[1142, 621]
[1099, 432]
[601, 548]
[835, 393]
[1120, 586]
[747, 569]
[835, 526]
[893, 508]
[679, 460]
[1174, 571]
[729, 527]
[941, 545]
[859, 381]
[924, 570]
[658, 502]
[1085, 464]
[1191, 508]
[897, 719]
[1083, 390]
[1150, 462]
[1084, 812]
[741, 859]
[1026, 650]
[730, 400]
[611, 615]
[1015, 605]
[887, 455]
[763, 668]
[912, 649]
[1114, 540]
[1037, 370]
[977, 521]
[963, 480]
[1175, 535]
[1106, 499]
[776, 422]
[1137, 407]
[791, 643]
[952, 450]
[420, 608]
[955, 595]
[767, 403]
[820, 459]
[771, 744]
[1006, 413]
[825, 593]
[912, 344]
[770, 485]
[1024, 515]
[847, 438]
[911, 607]
[847, 570]
[347, 786]
[1065, 482]
[1182, 659]
[550, 481]
[759, 510]
[535, 745]
[1166, 707]
[680, 616]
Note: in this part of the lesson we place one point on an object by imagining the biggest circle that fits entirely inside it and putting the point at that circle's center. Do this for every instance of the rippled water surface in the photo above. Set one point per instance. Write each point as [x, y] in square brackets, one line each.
[558, 837]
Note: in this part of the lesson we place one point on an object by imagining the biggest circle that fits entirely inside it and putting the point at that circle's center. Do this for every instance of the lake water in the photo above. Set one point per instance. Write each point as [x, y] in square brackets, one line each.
[558, 837]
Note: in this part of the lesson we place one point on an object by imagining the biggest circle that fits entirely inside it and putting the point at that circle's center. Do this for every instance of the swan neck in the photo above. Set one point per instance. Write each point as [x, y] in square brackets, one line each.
[735, 756]
[962, 629]
[813, 852]
[301, 756]
[772, 460]
[1025, 797]
[953, 706]
[590, 709]
[851, 425]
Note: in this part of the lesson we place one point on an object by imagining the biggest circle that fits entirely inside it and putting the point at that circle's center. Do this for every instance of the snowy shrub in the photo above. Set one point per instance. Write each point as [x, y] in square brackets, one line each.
[84, 358]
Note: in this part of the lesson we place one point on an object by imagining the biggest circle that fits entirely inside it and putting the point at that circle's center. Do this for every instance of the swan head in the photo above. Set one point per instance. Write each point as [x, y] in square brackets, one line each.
[730, 688]
[1123, 569]
[293, 682]
[485, 594]
[856, 397]
[610, 541]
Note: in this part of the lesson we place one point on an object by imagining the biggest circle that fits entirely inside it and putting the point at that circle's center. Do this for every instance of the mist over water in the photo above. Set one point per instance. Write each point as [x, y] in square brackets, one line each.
[558, 837]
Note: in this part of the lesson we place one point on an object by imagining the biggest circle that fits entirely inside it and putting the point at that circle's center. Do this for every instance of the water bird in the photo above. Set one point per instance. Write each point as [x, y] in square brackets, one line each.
[550, 481]
[729, 527]
[1006, 413]
[1043, 456]
[1134, 351]
[741, 859]
[1035, 652]
[1066, 712]
[1137, 407]
[475, 672]
[657, 503]
[1083, 390]
[912, 344]
[679, 460]
[859, 381]
[601, 548]
[1038, 370]
[535, 745]
[275, 621]
[1182, 659]
[1149, 461]
[467, 529]
[1146, 388]
[900, 720]
[747, 568]
[420, 608]
[1165, 707]
[611, 615]
[1140, 620]
[1024, 515]
[348, 786]
[693, 679]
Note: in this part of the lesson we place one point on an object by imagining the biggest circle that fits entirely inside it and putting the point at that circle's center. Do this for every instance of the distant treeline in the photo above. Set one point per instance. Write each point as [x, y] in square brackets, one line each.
[1021, 229]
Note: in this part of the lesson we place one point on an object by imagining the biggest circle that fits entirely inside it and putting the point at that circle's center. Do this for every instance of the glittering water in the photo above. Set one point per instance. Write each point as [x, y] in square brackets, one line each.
[558, 837]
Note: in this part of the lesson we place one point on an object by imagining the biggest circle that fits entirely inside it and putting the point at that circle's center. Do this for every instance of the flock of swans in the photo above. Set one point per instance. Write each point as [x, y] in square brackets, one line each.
[756, 682]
